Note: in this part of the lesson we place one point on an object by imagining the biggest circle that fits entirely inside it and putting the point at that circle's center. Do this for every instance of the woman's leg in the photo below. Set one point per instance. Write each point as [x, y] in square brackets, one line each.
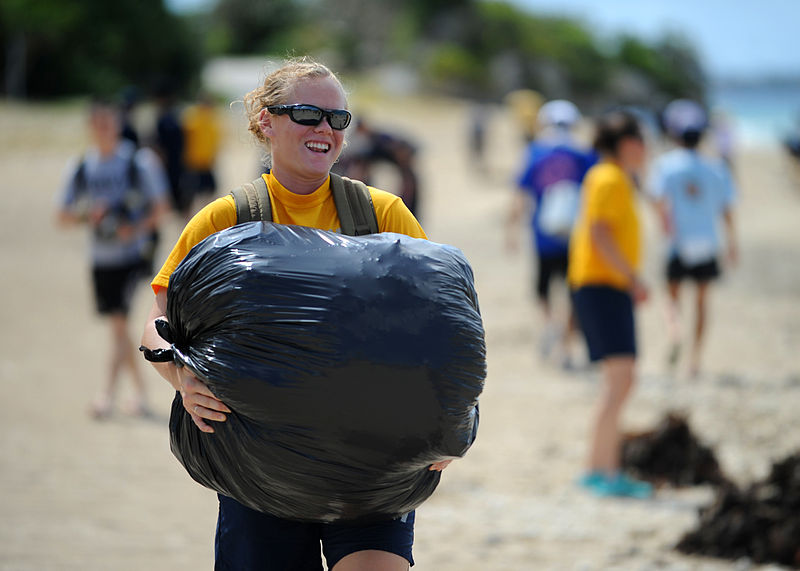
[372, 560]
[618, 377]
[699, 326]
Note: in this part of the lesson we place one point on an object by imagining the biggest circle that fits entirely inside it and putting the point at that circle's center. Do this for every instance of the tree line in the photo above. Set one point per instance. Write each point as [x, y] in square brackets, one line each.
[482, 49]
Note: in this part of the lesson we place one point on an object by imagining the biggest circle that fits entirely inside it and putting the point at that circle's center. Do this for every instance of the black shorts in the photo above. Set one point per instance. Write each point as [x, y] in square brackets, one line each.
[248, 539]
[605, 315]
[114, 287]
[704, 272]
[549, 267]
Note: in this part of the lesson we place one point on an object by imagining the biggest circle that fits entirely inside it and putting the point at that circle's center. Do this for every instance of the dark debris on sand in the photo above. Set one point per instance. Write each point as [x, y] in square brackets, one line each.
[760, 523]
[671, 454]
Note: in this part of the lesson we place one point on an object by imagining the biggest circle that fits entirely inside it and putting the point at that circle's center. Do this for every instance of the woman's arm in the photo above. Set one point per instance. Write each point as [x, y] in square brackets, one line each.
[198, 400]
[603, 240]
[730, 237]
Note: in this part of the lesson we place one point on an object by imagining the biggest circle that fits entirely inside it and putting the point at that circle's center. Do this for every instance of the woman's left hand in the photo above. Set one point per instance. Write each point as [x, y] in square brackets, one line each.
[439, 466]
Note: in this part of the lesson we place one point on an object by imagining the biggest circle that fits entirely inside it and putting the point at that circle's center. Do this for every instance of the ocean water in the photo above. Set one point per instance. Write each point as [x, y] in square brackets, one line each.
[759, 115]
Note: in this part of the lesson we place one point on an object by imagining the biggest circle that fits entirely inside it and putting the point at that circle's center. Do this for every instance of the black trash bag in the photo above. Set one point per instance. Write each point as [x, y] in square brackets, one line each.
[350, 365]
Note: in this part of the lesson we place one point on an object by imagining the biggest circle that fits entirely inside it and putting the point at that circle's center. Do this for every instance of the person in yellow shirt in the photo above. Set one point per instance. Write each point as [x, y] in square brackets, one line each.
[604, 260]
[202, 134]
[299, 114]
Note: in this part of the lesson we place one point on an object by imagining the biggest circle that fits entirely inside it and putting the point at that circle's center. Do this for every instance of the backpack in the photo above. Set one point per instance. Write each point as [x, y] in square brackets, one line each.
[353, 204]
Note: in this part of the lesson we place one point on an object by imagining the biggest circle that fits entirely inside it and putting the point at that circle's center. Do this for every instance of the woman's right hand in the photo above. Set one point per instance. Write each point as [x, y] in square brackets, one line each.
[639, 290]
[200, 402]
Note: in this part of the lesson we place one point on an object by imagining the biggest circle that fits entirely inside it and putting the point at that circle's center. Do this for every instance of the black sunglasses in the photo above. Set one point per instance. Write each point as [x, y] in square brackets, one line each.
[312, 115]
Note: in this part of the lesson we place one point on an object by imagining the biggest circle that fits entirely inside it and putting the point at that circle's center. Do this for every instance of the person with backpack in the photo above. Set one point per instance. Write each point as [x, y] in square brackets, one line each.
[604, 260]
[549, 188]
[300, 114]
[694, 196]
[121, 194]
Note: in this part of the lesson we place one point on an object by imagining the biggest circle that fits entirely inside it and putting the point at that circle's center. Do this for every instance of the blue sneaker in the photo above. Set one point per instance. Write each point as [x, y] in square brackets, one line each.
[626, 487]
[592, 481]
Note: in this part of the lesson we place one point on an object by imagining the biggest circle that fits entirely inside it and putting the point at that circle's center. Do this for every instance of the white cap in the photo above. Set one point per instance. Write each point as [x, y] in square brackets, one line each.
[558, 113]
[684, 115]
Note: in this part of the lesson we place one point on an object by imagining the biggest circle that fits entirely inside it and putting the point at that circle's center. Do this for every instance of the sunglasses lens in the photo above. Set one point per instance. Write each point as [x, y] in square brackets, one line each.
[339, 119]
[306, 115]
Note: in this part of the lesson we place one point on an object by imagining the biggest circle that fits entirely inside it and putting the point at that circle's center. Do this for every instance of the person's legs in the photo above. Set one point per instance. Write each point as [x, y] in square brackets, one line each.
[604, 451]
[372, 560]
[125, 356]
[550, 333]
[673, 322]
[699, 326]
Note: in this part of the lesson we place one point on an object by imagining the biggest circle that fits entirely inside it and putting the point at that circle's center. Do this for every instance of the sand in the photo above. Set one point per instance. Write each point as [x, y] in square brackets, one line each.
[84, 495]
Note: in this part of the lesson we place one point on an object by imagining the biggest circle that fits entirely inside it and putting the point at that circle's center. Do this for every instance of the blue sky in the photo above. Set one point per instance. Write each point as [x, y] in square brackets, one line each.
[738, 38]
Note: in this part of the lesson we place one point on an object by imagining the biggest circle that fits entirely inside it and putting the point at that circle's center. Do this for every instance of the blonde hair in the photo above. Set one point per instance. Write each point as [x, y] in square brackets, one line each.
[276, 87]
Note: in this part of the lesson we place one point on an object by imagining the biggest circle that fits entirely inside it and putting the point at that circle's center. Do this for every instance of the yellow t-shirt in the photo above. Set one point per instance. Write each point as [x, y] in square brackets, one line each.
[201, 131]
[316, 210]
[608, 196]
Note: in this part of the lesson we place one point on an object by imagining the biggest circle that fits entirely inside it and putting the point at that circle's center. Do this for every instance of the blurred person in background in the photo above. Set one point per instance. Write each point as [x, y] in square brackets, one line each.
[202, 134]
[478, 116]
[168, 142]
[694, 196]
[524, 105]
[549, 192]
[604, 259]
[121, 194]
[129, 100]
[369, 146]
[300, 115]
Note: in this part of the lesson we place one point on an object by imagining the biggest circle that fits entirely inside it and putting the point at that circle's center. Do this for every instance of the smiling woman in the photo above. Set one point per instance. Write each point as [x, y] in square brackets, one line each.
[299, 114]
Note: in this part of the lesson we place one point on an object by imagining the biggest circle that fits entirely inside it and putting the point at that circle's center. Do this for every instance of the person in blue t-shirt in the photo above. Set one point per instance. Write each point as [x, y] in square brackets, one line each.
[694, 196]
[549, 185]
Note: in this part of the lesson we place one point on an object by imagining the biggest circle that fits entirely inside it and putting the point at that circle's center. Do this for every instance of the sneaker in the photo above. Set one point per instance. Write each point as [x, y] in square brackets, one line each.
[592, 480]
[626, 487]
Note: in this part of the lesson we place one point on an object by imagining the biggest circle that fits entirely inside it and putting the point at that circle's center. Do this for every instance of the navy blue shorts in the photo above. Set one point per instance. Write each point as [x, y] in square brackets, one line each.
[250, 540]
[605, 315]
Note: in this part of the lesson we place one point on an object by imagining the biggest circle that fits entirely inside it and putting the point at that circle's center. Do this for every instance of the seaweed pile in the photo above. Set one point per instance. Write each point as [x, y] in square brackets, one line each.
[760, 522]
[671, 454]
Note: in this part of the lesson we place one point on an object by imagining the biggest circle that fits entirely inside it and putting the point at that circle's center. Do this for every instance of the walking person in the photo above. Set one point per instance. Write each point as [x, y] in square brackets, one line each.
[604, 259]
[549, 192]
[121, 194]
[695, 198]
[300, 115]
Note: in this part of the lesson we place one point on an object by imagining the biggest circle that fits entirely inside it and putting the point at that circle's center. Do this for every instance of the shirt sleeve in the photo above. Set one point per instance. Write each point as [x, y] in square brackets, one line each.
[215, 216]
[394, 216]
[603, 200]
[69, 189]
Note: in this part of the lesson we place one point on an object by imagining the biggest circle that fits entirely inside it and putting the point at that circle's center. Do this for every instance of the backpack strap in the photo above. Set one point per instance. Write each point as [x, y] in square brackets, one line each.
[252, 202]
[79, 178]
[354, 206]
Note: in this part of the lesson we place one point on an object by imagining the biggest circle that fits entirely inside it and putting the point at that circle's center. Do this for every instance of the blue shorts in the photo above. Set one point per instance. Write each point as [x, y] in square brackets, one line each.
[605, 315]
[250, 540]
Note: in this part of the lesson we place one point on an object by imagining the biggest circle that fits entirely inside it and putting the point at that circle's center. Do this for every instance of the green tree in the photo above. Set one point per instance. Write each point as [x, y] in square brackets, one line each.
[54, 48]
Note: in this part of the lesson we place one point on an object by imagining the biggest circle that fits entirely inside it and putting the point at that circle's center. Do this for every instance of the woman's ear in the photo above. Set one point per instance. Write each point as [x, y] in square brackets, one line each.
[265, 123]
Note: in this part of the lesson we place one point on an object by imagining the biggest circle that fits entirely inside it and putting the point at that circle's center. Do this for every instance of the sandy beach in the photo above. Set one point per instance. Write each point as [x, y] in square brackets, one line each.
[84, 495]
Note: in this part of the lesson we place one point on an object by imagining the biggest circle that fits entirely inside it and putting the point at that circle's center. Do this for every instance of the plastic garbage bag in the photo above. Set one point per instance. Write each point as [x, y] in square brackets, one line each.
[350, 365]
